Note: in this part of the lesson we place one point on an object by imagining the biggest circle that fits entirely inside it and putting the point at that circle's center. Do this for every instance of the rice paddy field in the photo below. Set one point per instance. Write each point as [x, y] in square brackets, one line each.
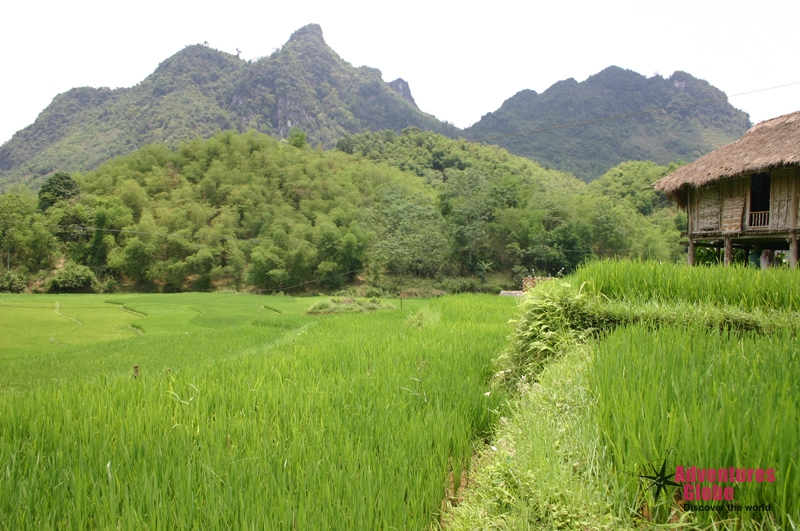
[704, 399]
[614, 420]
[694, 396]
[739, 286]
[246, 413]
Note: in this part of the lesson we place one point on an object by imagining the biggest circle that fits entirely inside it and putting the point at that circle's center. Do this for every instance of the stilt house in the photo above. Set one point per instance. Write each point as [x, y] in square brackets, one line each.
[744, 194]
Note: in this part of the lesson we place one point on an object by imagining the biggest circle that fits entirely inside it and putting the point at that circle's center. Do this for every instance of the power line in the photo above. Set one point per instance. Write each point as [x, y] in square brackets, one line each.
[628, 115]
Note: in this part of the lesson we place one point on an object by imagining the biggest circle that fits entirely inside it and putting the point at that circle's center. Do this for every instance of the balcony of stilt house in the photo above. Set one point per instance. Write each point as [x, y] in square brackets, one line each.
[744, 195]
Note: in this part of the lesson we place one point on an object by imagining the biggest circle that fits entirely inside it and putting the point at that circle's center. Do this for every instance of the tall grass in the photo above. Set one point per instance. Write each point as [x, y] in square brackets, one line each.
[713, 400]
[749, 288]
[350, 422]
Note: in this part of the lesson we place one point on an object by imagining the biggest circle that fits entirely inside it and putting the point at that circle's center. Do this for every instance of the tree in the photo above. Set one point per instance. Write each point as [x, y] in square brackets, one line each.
[58, 187]
[15, 213]
[411, 235]
[484, 268]
[297, 138]
[134, 260]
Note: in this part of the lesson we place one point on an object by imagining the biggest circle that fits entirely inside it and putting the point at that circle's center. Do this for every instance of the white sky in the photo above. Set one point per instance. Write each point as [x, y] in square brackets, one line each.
[462, 60]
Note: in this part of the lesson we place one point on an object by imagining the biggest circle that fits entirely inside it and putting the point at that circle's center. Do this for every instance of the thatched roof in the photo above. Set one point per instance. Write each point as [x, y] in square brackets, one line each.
[772, 143]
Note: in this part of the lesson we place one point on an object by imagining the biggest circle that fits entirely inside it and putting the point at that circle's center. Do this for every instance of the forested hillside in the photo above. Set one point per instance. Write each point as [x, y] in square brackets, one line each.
[247, 211]
[199, 91]
[684, 131]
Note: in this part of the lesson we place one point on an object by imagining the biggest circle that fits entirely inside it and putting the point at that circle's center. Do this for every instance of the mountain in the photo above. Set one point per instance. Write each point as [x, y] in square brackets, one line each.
[305, 84]
[682, 130]
[200, 90]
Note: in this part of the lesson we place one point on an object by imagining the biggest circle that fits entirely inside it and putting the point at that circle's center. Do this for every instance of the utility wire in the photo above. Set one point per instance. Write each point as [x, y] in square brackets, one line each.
[628, 115]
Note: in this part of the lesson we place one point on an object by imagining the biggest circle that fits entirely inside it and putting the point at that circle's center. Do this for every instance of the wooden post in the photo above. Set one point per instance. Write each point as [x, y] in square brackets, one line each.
[793, 222]
[689, 212]
[728, 251]
[793, 203]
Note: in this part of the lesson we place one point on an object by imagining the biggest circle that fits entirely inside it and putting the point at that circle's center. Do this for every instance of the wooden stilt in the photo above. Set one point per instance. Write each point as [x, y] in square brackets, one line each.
[793, 251]
[691, 252]
[728, 251]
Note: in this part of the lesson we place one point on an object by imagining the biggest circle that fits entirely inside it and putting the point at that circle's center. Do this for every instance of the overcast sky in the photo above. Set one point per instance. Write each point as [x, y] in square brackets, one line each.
[460, 61]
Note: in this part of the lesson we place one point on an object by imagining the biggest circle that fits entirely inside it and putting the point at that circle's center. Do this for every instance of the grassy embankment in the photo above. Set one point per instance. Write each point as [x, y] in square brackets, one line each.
[238, 420]
[624, 366]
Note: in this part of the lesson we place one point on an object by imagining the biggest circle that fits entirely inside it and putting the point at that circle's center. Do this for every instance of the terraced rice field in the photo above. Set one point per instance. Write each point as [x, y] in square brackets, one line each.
[246, 412]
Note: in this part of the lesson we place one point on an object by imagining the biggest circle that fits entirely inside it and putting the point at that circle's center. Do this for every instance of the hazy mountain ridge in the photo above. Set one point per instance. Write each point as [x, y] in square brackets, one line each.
[200, 90]
[305, 84]
[683, 131]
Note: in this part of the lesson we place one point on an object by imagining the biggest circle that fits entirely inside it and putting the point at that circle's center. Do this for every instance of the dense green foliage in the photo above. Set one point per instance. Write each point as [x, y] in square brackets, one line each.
[277, 422]
[243, 210]
[73, 278]
[199, 91]
[57, 187]
[510, 212]
[685, 131]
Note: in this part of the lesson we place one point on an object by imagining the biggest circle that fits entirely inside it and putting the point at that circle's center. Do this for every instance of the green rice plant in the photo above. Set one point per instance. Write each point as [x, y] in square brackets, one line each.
[748, 288]
[556, 315]
[701, 398]
[343, 422]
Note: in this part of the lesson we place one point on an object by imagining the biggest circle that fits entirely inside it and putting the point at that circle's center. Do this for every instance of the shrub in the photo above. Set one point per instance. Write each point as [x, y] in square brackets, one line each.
[349, 305]
[373, 291]
[466, 285]
[110, 285]
[14, 282]
[74, 278]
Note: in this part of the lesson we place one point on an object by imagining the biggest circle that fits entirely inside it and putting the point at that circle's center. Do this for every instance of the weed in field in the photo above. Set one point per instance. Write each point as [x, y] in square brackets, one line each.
[349, 305]
[544, 468]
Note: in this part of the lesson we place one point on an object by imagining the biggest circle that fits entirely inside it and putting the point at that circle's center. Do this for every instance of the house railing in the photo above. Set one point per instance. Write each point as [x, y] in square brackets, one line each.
[759, 219]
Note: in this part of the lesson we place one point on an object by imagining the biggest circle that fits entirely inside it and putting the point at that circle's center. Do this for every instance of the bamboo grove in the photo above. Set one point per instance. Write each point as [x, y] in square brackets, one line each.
[246, 211]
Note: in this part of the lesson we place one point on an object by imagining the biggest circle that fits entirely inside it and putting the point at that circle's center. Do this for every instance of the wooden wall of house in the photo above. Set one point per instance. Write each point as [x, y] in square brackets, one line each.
[724, 206]
[704, 208]
[734, 195]
[783, 186]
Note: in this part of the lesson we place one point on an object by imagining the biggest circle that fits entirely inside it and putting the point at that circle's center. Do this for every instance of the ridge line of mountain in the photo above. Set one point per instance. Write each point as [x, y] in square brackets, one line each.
[305, 84]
